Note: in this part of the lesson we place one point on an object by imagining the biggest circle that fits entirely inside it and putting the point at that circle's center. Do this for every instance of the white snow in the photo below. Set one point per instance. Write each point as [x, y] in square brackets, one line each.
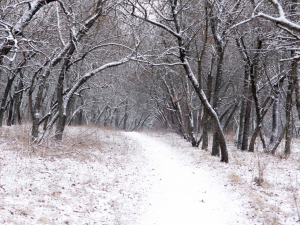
[183, 194]
[108, 177]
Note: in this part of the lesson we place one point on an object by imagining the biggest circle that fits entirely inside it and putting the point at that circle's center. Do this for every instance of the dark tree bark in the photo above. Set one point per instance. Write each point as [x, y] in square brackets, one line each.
[245, 113]
[10, 112]
[247, 123]
[292, 79]
[4, 97]
[18, 100]
[205, 117]
[297, 96]
[125, 115]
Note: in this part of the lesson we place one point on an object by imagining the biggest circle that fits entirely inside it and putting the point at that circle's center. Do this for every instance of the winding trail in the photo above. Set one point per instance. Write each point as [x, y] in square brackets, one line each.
[182, 194]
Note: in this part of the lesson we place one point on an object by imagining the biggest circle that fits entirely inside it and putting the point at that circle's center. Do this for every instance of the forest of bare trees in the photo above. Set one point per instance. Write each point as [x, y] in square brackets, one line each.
[200, 68]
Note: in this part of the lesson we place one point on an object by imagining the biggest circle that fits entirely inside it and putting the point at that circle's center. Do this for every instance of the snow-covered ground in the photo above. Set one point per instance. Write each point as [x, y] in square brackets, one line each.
[183, 194]
[108, 177]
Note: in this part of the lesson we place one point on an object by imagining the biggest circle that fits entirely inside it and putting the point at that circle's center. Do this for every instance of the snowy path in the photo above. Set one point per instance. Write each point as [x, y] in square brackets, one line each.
[182, 194]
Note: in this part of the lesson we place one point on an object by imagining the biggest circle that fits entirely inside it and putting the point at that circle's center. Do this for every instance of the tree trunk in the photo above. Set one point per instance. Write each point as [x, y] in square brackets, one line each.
[275, 116]
[298, 96]
[125, 115]
[62, 117]
[244, 126]
[60, 126]
[10, 112]
[190, 115]
[247, 123]
[216, 99]
[4, 97]
[253, 77]
[265, 106]
[117, 118]
[205, 113]
[292, 79]
[241, 123]
[18, 99]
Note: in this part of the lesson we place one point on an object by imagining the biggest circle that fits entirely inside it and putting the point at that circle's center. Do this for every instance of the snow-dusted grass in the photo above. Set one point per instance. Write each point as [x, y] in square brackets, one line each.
[273, 200]
[97, 176]
[89, 178]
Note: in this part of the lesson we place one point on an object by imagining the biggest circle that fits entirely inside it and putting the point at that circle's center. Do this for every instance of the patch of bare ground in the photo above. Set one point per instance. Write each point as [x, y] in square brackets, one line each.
[267, 184]
[91, 176]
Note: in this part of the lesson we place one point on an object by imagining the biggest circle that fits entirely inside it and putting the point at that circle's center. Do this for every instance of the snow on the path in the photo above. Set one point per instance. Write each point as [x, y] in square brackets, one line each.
[183, 194]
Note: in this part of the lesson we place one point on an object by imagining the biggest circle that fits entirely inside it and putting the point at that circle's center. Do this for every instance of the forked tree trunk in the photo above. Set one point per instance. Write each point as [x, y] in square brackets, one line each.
[265, 106]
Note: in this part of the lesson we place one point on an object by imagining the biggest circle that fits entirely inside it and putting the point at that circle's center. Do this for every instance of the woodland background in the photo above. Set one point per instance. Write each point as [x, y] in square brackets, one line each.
[195, 67]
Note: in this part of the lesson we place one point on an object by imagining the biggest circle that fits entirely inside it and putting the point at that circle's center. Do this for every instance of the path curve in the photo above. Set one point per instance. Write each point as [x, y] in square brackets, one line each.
[181, 194]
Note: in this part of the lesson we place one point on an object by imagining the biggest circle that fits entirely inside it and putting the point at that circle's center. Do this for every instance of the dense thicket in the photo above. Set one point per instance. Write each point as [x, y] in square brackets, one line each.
[197, 67]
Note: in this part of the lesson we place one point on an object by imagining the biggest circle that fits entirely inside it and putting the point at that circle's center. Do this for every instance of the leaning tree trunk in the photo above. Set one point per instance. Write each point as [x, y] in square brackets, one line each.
[201, 95]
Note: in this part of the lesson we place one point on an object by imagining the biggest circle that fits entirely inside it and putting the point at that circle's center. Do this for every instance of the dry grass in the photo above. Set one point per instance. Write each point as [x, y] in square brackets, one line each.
[109, 157]
[234, 178]
[78, 143]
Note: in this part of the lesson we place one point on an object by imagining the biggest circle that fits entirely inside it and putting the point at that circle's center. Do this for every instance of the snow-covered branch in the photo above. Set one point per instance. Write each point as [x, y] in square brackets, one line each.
[281, 20]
